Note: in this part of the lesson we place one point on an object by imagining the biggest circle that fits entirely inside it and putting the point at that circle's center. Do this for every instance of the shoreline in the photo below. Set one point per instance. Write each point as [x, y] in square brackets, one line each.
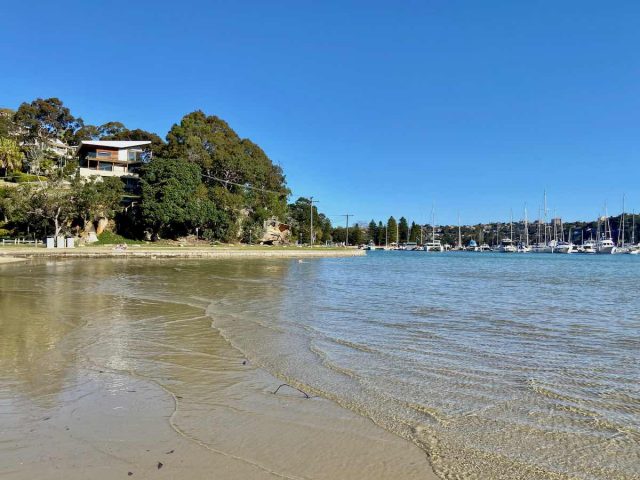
[11, 259]
[15, 254]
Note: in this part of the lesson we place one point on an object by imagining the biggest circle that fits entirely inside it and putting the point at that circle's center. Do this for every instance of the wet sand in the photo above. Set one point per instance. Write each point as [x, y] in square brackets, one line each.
[11, 260]
[150, 251]
[100, 378]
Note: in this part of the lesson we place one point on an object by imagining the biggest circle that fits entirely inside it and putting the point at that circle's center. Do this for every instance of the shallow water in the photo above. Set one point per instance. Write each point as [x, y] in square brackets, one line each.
[523, 366]
[498, 366]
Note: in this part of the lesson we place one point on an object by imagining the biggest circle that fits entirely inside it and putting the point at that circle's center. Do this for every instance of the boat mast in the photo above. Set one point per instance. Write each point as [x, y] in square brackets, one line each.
[633, 228]
[526, 227]
[433, 225]
[511, 226]
[459, 233]
[545, 218]
[622, 231]
[539, 222]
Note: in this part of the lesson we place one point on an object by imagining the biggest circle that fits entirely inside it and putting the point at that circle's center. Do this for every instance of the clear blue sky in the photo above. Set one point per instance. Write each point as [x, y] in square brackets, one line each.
[376, 108]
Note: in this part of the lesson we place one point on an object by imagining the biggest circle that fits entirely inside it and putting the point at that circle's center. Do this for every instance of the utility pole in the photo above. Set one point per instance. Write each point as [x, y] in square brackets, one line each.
[311, 202]
[347, 215]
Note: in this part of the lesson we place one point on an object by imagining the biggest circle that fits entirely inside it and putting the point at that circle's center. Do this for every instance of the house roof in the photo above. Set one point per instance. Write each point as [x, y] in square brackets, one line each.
[115, 143]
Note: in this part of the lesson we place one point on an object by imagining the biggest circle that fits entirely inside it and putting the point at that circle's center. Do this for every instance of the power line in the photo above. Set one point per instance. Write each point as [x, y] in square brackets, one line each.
[228, 182]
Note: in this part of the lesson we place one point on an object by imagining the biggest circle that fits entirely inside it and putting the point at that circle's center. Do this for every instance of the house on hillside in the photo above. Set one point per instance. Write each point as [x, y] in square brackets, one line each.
[111, 158]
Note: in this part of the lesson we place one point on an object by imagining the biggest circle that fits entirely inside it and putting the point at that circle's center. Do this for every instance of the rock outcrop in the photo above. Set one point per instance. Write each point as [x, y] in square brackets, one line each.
[275, 233]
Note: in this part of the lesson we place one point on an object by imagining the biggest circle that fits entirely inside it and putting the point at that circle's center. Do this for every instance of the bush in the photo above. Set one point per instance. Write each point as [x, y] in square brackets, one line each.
[110, 238]
[20, 177]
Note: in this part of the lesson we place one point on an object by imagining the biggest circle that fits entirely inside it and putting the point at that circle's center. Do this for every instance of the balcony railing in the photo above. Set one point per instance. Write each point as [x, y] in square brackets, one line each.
[133, 156]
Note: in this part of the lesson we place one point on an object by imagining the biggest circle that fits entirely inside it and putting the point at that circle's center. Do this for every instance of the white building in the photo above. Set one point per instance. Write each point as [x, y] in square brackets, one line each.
[111, 158]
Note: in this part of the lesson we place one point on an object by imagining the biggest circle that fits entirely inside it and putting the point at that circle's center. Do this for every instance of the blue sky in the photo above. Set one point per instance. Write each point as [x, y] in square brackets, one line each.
[375, 108]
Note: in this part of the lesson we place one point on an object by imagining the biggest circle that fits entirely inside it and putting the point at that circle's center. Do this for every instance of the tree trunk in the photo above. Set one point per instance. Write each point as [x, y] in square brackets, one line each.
[56, 223]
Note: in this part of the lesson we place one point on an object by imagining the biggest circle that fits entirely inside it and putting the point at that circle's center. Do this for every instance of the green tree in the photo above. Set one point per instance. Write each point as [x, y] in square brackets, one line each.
[7, 127]
[244, 181]
[46, 119]
[339, 234]
[169, 188]
[39, 160]
[403, 230]
[414, 232]
[86, 132]
[382, 238]
[326, 228]
[356, 237]
[46, 208]
[97, 198]
[372, 232]
[392, 230]
[299, 218]
[10, 155]
[112, 129]
[7, 203]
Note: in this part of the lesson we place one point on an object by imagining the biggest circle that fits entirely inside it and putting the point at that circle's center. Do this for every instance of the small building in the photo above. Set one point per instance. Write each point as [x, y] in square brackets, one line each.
[112, 158]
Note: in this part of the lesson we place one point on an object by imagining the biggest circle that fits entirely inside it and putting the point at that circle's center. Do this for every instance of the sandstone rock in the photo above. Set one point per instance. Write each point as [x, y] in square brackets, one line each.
[275, 233]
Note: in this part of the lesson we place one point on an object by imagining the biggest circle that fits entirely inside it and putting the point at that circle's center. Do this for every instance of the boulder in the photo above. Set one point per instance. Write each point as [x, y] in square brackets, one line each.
[275, 233]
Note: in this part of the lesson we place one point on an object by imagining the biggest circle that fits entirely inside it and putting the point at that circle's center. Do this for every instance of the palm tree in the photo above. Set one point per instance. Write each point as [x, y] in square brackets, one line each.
[10, 155]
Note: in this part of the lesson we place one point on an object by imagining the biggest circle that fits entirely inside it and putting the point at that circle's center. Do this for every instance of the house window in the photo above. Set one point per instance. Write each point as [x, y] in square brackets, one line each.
[105, 167]
[103, 154]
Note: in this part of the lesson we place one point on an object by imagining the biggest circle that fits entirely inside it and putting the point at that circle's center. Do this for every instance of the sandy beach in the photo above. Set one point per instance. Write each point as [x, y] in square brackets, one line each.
[112, 251]
[7, 259]
[100, 380]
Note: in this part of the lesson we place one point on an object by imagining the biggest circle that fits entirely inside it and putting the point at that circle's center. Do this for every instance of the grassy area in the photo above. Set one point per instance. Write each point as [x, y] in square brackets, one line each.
[110, 238]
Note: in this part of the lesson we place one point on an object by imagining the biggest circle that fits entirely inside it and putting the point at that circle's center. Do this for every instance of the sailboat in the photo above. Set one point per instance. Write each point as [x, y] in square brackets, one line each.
[542, 246]
[605, 244]
[506, 244]
[623, 247]
[434, 245]
[562, 246]
[524, 247]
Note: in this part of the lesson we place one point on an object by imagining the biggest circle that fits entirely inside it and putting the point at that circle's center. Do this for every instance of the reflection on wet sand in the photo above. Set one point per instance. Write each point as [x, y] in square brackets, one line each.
[112, 367]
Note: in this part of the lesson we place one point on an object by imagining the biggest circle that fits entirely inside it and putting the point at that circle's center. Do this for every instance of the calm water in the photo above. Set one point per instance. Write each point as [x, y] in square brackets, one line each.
[524, 366]
[498, 366]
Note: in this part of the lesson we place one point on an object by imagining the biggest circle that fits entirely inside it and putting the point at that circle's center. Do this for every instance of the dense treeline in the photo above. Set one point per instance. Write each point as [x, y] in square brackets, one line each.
[204, 179]
[399, 231]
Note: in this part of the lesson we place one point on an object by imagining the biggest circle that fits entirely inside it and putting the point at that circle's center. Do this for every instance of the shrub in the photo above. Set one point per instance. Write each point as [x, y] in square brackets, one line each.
[20, 177]
[110, 238]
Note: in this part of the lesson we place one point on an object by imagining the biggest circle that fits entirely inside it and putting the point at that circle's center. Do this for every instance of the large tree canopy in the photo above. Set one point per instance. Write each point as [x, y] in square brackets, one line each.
[174, 200]
[209, 142]
[46, 118]
[244, 183]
